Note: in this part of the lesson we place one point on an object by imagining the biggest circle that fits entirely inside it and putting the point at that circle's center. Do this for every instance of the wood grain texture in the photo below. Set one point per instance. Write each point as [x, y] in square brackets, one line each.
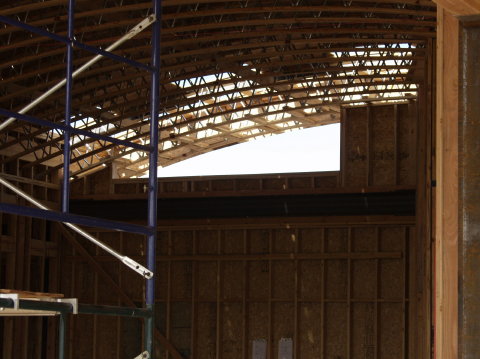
[460, 7]
[446, 242]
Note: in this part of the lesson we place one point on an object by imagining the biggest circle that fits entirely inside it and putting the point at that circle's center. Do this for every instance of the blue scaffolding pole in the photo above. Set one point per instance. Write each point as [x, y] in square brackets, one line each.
[64, 216]
[152, 176]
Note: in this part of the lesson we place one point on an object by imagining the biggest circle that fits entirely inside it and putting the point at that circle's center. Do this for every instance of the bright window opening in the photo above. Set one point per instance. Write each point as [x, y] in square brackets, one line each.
[310, 150]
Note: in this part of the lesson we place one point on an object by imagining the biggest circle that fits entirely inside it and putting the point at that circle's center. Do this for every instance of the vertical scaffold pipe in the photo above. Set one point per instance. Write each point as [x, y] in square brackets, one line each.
[62, 330]
[152, 176]
[68, 109]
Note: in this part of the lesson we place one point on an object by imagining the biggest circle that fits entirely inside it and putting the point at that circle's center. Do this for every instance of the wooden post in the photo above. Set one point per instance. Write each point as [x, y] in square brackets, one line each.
[447, 242]
[469, 193]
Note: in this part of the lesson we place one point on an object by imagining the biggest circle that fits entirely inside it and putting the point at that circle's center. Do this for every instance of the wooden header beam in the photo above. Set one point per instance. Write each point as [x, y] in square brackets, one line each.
[459, 7]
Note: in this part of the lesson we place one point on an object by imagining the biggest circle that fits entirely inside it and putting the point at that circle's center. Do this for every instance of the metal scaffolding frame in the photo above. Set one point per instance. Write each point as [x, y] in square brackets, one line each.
[63, 309]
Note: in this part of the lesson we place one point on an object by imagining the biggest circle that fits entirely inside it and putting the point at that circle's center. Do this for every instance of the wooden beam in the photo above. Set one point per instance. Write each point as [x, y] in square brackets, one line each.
[446, 233]
[468, 203]
[459, 7]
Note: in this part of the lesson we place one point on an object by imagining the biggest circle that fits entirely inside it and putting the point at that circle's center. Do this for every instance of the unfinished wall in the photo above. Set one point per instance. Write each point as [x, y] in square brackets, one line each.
[379, 145]
[332, 289]
[337, 290]
[28, 261]
[378, 153]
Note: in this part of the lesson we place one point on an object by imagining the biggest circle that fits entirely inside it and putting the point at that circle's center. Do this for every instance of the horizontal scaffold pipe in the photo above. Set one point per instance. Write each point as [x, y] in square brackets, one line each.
[82, 308]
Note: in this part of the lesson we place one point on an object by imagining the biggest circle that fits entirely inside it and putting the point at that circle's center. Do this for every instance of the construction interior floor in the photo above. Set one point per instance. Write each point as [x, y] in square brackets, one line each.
[100, 258]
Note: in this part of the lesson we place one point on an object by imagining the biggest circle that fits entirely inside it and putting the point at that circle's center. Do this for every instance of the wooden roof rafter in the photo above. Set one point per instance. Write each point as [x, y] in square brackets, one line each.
[299, 59]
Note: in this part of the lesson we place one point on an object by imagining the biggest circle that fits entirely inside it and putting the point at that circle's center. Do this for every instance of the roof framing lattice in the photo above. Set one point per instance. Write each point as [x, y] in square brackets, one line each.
[231, 71]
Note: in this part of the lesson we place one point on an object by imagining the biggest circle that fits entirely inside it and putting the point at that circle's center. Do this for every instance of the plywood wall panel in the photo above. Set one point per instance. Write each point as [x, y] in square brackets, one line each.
[364, 239]
[391, 238]
[130, 343]
[258, 279]
[132, 284]
[363, 331]
[336, 330]
[84, 344]
[163, 242]
[326, 182]
[67, 280]
[283, 280]
[310, 340]
[207, 275]
[206, 331]
[207, 242]
[364, 279]
[105, 296]
[311, 240]
[84, 278]
[356, 147]
[202, 186]
[182, 242]
[248, 184]
[258, 241]
[382, 145]
[182, 277]
[223, 185]
[257, 324]
[233, 241]
[392, 281]
[284, 241]
[379, 146]
[233, 280]
[161, 285]
[231, 331]
[180, 330]
[299, 182]
[133, 245]
[106, 332]
[282, 324]
[336, 240]
[336, 279]
[406, 129]
[274, 184]
[390, 324]
[311, 279]
[327, 287]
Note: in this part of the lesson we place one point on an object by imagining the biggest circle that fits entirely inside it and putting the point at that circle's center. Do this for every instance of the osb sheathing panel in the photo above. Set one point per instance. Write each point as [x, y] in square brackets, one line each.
[355, 123]
[406, 142]
[232, 331]
[379, 145]
[337, 291]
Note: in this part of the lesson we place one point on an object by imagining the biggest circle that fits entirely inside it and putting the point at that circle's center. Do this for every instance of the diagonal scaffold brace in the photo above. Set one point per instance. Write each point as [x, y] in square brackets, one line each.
[145, 23]
[143, 271]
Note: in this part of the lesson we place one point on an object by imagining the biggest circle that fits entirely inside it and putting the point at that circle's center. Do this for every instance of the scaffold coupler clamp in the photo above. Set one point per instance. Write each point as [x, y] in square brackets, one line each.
[72, 301]
[12, 296]
[144, 355]
[137, 267]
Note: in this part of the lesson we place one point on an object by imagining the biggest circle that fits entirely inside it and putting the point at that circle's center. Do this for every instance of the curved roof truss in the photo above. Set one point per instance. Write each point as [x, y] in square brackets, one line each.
[231, 71]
